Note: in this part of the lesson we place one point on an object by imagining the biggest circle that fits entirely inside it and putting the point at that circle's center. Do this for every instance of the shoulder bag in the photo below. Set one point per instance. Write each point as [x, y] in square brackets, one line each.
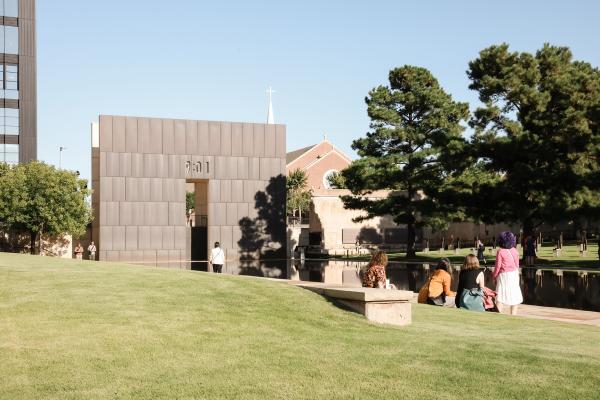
[424, 291]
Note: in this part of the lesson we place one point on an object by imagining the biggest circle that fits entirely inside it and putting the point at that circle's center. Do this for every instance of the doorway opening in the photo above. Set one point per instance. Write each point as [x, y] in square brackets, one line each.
[197, 220]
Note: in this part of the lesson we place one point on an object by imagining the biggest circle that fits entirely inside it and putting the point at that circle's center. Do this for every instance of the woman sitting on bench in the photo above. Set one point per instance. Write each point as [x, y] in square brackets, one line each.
[375, 276]
[439, 284]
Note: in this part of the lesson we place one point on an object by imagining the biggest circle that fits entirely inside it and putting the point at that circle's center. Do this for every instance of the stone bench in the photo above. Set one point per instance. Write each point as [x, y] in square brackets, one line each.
[391, 307]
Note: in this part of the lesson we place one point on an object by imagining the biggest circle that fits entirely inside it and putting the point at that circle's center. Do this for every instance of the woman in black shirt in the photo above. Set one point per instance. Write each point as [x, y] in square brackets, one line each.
[470, 285]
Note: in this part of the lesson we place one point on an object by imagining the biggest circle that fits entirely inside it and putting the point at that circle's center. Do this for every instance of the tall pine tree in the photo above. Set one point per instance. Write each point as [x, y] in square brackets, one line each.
[415, 130]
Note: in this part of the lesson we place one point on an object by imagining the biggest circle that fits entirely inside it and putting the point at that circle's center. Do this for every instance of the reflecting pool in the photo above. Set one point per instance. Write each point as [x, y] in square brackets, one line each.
[551, 287]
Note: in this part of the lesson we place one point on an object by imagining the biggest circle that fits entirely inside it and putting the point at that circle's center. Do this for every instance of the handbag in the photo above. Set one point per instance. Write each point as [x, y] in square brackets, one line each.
[424, 292]
[472, 299]
[489, 299]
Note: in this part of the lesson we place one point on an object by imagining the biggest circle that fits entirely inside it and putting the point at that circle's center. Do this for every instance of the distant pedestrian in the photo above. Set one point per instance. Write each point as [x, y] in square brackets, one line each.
[92, 251]
[480, 252]
[375, 275]
[506, 273]
[79, 251]
[217, 258]
[471, 282]
[529, 250]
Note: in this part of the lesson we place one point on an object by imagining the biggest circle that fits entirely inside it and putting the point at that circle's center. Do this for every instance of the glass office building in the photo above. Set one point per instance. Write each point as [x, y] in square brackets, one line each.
[18, 87]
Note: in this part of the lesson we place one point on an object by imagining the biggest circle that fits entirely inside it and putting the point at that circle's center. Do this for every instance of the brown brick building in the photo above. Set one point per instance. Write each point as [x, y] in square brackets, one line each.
[319, 161]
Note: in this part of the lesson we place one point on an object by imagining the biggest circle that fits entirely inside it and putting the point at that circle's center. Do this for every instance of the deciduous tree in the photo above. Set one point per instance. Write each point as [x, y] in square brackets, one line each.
[36, 198]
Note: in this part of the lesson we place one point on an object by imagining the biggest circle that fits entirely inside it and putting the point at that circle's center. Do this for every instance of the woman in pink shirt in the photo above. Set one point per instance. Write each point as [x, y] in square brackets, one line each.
[506, 274]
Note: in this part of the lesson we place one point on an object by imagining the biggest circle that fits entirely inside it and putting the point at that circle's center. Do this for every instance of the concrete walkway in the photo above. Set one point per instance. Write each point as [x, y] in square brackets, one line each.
[560, 314]
[549, 313]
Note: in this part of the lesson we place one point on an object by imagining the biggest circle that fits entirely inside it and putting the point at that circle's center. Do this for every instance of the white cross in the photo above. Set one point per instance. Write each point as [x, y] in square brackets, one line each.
[270, 116]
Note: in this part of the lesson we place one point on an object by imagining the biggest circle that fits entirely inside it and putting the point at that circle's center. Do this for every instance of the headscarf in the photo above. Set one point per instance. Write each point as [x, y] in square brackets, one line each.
[507, 240]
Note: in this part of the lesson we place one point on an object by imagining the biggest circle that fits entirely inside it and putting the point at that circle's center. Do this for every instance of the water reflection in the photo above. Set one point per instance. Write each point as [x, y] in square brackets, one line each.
[543, 287]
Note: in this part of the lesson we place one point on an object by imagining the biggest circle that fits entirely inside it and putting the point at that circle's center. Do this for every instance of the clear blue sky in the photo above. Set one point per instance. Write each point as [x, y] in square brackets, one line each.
[215, 59]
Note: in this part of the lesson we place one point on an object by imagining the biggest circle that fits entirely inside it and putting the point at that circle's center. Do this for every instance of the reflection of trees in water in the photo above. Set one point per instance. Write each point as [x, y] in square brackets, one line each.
[265, 237]
[577, 290]
[270, 269]
[529, 284]
[592, 287]
[555, 288]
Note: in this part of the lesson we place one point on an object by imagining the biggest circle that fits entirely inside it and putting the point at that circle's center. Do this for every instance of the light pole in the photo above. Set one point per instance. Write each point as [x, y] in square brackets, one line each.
[60, 150]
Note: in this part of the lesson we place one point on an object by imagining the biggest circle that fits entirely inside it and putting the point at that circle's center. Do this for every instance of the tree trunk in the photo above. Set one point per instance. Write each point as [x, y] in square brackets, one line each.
[32, 237]
[410, 226]
[528, 228]
[410, 240]
[560, 241]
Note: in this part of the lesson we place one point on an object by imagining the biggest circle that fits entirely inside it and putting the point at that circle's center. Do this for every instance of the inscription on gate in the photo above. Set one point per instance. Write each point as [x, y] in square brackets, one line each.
[197, 168]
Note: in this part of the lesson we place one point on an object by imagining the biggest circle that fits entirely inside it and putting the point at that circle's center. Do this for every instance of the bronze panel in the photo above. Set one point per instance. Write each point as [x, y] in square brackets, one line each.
[153, 207]
[26, 9]
[8, 103]
[27, 45]
[27, 79]
[10, 21]
[9, 139]
[9, 58]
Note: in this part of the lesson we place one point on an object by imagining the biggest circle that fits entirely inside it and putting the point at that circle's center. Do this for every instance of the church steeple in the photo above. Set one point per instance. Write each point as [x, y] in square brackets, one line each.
[270, 115]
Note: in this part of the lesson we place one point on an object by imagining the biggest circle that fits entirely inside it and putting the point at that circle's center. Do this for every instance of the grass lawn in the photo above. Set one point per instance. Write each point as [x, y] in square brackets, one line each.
[570, 257]
[81, 330]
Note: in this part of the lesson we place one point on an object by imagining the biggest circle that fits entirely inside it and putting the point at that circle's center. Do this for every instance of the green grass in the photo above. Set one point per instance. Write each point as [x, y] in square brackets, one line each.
[569, 258]
[80, 330]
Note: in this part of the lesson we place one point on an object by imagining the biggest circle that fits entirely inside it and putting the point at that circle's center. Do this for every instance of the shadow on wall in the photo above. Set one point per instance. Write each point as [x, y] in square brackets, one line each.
[370, 236]
[265, 237]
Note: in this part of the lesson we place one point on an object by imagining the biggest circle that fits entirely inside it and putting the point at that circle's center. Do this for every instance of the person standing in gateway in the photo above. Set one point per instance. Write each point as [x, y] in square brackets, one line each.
[79, 251]
[92, 251]
[217, 258]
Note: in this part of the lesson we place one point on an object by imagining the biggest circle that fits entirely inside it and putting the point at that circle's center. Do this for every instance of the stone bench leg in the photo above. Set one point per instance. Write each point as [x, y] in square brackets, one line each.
[383, 312]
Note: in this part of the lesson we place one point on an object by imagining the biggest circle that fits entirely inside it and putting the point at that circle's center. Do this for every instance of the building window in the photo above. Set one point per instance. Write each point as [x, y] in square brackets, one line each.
[9, 8]
[9, 121]
[9, 39]
[9, 81]
[9, 153]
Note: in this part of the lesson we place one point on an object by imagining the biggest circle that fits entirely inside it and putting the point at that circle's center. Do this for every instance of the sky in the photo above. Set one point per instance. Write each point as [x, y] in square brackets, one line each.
[214, 60]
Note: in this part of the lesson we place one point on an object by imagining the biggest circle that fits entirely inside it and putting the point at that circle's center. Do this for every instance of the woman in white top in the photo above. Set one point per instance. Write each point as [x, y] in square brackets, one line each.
[217, 258]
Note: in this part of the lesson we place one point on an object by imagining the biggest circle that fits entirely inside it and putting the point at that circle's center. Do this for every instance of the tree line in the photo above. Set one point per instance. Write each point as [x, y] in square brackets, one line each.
[531, 155]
